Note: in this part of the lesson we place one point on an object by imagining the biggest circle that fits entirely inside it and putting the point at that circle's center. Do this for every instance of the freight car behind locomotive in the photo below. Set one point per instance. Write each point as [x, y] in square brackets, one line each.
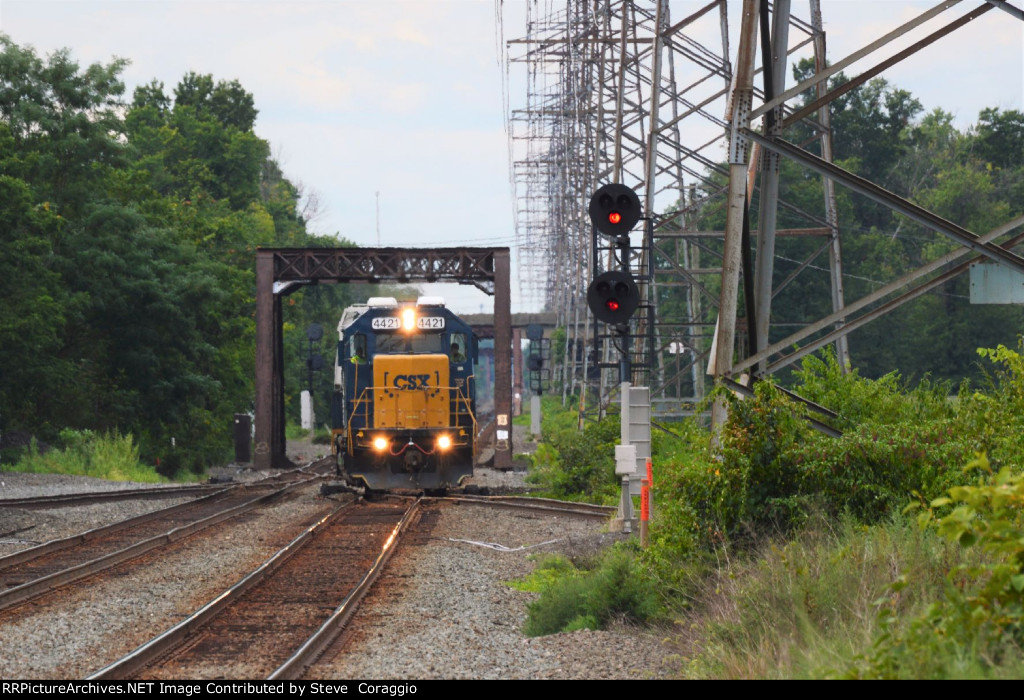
[404, 402]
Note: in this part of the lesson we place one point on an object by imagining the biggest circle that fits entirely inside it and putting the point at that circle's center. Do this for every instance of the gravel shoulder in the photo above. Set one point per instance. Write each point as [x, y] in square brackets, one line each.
[21, 529]
[443, 609]
[85, 626]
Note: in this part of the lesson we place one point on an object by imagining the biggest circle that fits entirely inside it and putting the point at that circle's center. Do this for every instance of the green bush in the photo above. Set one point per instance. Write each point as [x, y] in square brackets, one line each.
[615, 589]
[859, 401]
[573, 464]
[181, 464]
[799, 608]
[873, 471]
[753, 482]
[680, 463]
[994, 419]
[976, 630]
[85, 453]
[550, 569]
[772, 469]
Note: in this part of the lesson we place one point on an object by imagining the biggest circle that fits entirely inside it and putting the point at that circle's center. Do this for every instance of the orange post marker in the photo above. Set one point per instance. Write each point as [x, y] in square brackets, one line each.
[645, 509]
[650, 473]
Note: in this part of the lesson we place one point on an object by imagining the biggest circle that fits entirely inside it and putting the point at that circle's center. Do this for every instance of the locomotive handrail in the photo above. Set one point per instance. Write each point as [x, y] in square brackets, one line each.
[364, 401]
[464, 398]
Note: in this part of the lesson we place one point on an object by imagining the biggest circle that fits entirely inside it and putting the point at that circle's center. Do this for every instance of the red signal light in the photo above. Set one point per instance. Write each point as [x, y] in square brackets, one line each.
[613, 296]
[614, 210]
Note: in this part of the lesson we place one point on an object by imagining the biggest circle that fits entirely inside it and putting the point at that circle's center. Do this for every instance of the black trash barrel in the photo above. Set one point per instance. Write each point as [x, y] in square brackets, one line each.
[243, 437]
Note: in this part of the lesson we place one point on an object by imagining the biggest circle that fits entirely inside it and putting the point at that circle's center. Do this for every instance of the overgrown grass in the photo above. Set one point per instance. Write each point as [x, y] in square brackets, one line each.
[785, 553]
[577, 465]
[898, 599]
[321, 434]
[975, 629]
[84, 453]
[801, 608]
[610, 588]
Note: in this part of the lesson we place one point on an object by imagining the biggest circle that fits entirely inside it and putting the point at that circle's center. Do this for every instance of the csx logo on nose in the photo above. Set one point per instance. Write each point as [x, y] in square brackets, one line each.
[411, 381]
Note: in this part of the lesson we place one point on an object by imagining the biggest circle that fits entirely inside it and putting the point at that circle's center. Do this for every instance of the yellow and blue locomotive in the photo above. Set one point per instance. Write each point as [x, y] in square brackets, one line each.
[403, 409]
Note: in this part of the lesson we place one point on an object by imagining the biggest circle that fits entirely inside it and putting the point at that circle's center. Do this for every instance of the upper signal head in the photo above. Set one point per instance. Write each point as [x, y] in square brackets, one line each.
[614, 210]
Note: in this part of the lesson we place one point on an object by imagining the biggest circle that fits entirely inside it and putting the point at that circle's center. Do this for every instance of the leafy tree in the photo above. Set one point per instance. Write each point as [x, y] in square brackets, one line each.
[1000, 137]
[32, 317]
[203, 145]
[128, 250]
[63, 122]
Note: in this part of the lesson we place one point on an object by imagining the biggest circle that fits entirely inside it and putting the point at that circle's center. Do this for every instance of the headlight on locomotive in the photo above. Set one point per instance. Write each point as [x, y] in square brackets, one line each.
[443, 443]
[380, 444]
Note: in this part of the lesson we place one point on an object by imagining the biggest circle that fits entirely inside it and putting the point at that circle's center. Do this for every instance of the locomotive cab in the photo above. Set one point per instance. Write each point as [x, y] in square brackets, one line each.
[403, 411]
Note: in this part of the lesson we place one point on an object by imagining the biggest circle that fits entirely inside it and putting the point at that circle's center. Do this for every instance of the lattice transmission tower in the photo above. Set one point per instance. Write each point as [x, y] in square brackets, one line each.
[596, 72]
[641, 93]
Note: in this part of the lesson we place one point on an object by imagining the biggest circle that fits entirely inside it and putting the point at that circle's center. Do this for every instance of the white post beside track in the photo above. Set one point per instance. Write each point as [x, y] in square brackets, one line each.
[308, 416]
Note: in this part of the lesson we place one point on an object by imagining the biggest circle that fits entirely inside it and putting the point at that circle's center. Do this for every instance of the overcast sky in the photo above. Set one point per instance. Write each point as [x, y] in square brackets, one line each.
[404, 99]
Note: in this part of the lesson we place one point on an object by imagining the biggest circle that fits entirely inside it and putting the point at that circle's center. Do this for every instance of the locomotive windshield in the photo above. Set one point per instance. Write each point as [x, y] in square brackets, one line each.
[392, 343]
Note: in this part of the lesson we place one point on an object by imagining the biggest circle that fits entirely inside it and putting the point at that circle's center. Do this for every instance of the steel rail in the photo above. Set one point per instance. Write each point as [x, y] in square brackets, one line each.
[295, 666]
[69, 499]
[179, 634]
[32, 589]
[547, 505]
[137, 659]
[95, 533]
[81, 538]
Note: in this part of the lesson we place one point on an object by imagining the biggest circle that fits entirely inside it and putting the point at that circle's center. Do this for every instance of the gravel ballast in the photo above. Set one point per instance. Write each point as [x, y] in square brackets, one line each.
[87, 625]
[443, 609]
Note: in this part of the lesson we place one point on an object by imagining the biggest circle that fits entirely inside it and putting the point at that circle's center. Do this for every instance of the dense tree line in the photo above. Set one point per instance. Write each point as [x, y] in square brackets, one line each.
[126, 258]
[973, 177]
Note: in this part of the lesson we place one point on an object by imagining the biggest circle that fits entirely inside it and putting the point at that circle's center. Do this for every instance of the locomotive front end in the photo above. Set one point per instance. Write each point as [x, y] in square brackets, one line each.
[406, 421]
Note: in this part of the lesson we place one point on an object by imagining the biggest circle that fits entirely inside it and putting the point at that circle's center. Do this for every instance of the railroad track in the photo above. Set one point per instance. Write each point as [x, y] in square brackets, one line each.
[279, 618]
[321, 467]
[32, 572]
[544, 505]
[88, 497]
